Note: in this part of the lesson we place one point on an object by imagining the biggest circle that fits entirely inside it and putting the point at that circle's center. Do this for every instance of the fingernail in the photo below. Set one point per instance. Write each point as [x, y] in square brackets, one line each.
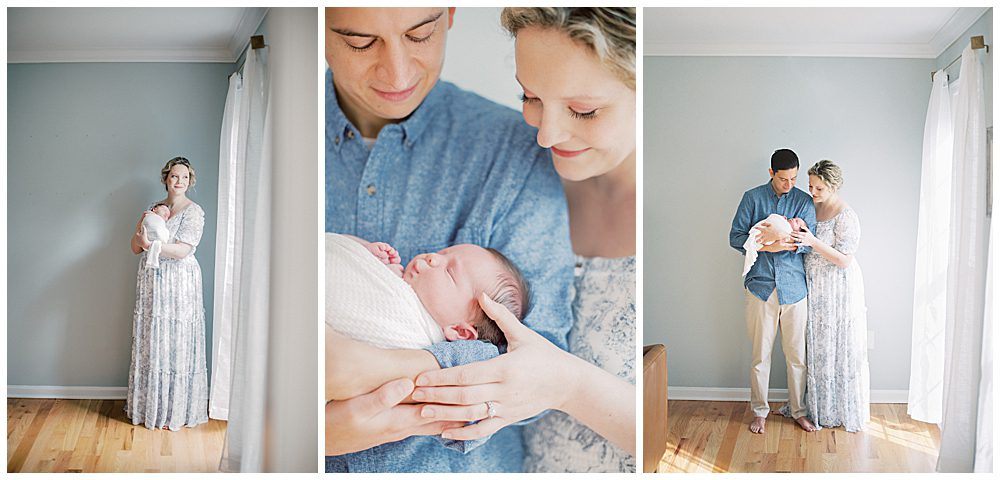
[447, 435]
[427, 412]
[418, 395]
[421, 382]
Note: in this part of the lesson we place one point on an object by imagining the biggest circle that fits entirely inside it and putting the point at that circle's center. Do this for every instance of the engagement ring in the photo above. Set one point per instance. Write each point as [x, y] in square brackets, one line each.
[491, 409]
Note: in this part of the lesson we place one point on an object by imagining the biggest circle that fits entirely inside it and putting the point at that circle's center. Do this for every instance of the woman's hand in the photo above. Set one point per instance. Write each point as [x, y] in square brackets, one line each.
[373, 419]
[804, 237]
[533, 376]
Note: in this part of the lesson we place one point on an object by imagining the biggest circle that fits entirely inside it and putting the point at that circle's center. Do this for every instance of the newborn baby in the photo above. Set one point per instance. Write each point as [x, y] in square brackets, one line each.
[372, 298]
[156, 232]
[779, 223]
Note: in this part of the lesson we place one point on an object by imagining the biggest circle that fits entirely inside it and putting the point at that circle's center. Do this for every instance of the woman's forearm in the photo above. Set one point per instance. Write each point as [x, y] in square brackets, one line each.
[605, 403]
[175, 250]
[136, 245]
[831, 254]
[354, 368]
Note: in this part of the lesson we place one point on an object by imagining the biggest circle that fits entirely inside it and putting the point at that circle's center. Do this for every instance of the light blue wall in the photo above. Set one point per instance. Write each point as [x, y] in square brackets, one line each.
[711, 124]
[85, 146]
[984, 27]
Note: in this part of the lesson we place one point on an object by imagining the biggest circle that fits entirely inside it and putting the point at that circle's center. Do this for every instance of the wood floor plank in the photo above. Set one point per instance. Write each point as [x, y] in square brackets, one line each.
[23, 448]
[45, 435]
[713, 437]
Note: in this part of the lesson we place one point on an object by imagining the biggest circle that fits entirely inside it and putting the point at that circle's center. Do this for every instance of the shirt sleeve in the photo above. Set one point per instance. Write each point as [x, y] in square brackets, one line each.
[808, 214]
[534, 234]
[740, 230]
[191, 227]
[847, 233]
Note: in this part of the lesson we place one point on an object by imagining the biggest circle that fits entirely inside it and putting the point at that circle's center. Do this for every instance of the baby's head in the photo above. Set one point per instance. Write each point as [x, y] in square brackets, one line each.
[448, 283]
[797, 224]
[162, 210]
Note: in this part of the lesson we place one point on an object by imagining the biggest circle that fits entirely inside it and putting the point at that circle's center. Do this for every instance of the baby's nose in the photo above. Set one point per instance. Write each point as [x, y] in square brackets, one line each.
[433, 259]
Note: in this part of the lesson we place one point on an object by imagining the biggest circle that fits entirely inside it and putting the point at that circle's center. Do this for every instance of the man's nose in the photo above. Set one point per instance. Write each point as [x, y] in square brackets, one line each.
[394, 66]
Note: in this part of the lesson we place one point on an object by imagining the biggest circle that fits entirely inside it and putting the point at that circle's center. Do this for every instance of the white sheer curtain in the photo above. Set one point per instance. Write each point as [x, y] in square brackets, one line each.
[984, 436]
[242, 290]
[931, 269]
[966, 274]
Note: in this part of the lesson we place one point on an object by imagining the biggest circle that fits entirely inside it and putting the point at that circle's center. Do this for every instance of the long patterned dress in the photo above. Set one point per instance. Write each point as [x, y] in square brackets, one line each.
[837, 331]
[604, 335]
[168, 378]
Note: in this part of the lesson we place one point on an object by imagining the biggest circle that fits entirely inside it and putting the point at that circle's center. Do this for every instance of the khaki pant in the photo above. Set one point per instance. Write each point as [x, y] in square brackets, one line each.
[763, 321]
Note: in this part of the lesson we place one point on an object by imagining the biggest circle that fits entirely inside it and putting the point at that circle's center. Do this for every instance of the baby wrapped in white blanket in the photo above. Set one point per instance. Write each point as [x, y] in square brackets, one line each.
[157, 233]
[371, 298]
[752, 245]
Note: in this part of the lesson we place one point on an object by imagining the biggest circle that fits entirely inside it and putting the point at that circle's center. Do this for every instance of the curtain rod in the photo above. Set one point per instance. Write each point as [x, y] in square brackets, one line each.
[256, 43]
[978, 42]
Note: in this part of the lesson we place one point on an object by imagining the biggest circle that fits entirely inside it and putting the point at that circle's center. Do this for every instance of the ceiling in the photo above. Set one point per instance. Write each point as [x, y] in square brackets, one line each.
[43, 35]
[834, 32]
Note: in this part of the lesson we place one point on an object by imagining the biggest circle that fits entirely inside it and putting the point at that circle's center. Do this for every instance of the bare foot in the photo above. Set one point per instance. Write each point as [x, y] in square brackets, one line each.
[805, 424]
[757, 426]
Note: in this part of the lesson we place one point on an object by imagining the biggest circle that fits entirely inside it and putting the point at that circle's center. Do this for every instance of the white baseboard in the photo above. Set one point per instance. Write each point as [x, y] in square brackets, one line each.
[774, 395]
[54, 391]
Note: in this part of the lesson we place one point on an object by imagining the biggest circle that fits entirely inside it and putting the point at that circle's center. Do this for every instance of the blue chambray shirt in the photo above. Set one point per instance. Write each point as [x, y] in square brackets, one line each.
[782, 270]
[460, 169]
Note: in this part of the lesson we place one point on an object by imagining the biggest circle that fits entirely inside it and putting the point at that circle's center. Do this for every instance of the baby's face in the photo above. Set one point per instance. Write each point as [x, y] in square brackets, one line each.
[448, 282]
[162, 210]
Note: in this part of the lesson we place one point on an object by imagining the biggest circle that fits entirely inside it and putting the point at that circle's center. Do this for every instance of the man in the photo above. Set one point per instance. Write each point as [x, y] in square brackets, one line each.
[775, 287]
[420, 164]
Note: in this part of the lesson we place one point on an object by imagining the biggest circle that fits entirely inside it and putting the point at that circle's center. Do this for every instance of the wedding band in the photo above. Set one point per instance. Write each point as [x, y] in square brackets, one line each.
[491, 409]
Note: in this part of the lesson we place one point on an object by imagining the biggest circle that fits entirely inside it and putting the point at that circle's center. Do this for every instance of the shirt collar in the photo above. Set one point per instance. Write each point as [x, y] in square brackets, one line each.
[337, 124]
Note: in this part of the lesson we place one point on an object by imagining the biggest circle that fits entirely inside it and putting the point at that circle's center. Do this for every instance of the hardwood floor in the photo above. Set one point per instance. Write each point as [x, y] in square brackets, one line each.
[47, 435]
[707, 436]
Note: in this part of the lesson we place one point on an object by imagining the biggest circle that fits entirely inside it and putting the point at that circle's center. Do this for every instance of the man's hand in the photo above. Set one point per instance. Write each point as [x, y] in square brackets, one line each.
[782, 245]
[368, 420]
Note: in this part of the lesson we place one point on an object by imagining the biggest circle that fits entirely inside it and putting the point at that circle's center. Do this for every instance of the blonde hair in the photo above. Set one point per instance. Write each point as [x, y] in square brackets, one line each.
[608, 32]
[829, 173]
[170, 164]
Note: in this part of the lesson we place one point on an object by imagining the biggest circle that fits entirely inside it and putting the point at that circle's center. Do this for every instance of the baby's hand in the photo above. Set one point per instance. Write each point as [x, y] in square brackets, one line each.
[396, 268]
[797, 224]
[384, 252]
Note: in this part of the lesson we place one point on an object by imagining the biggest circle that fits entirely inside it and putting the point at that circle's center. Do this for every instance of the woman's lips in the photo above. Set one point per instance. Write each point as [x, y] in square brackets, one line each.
[568, 153]
[396, 96]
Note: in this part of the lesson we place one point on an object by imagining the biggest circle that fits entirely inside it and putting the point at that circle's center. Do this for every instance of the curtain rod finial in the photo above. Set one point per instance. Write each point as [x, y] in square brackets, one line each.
[979, 42]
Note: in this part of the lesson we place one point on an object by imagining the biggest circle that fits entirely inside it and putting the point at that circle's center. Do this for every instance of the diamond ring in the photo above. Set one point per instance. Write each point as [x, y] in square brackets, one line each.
[491, 409]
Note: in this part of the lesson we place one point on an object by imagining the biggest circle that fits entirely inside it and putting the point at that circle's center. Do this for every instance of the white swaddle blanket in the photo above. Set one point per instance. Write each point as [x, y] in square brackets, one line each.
[368, 302]
[752, 245]
[156, 232]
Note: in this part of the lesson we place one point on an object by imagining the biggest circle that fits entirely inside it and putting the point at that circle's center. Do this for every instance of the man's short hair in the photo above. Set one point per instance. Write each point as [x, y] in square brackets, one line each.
[784, 159]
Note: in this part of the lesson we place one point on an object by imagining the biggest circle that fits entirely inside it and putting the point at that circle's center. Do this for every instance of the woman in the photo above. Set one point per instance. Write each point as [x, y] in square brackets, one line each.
[836, 333]
[577, 69]
[168, 381]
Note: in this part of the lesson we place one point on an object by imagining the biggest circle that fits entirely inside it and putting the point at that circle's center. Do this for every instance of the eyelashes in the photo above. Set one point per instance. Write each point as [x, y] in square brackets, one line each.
[362, 48]
[575, 114]
[413, 39]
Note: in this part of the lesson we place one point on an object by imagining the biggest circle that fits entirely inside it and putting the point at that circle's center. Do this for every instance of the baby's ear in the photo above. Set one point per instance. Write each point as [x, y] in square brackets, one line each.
[461, 331]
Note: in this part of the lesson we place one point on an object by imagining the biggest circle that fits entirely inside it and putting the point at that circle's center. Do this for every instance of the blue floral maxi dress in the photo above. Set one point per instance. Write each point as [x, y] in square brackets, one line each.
[168, 377]
[837, 379]
[603, 334]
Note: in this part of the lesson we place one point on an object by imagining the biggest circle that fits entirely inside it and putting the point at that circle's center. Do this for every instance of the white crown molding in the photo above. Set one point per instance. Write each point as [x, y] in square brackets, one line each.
[955, 26]
[248, 24]
[53, 391]
[774, 395]
[115, 55]
[871, 50]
